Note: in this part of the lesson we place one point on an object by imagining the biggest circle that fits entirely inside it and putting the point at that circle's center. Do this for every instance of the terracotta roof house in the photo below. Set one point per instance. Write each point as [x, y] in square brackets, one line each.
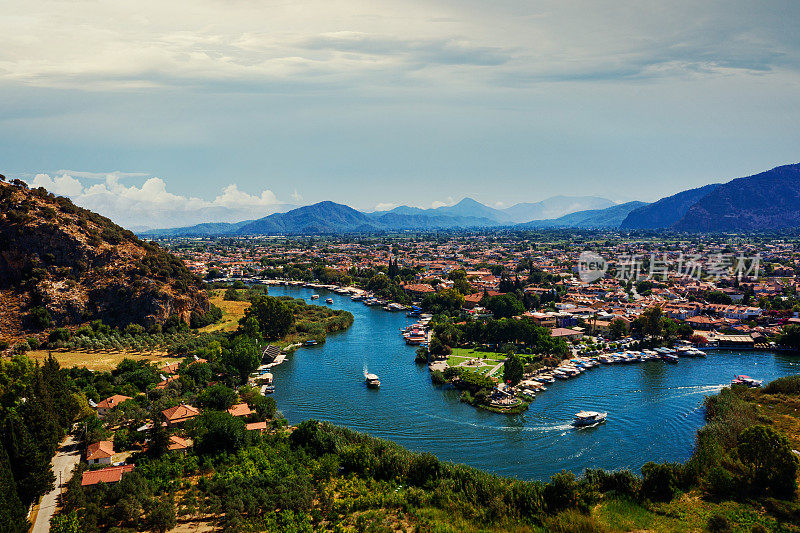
[179, 444]
[419, 289]
[261, 427]
[112, 474]
[179, 414]
[100, 452]
[163, 383]
[240, 409]
[566, 334]
[110, 403]
[171, 368]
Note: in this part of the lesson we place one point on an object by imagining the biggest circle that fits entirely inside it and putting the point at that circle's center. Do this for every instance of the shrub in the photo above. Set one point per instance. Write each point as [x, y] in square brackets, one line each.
[658, 481]
[561, 492]
[718, 524]
[785, 385]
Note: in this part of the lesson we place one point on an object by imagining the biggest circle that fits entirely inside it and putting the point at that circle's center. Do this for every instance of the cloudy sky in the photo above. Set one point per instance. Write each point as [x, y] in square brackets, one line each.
[166, 113]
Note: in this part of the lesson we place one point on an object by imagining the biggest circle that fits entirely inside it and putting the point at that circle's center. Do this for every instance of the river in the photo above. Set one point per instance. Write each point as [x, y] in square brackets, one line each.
[654, 408]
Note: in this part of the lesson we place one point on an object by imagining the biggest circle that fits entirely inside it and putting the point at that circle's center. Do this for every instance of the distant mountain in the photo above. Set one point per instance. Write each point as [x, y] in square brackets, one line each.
[395, 221]
[199, 230]
[610, 217]
[466, 210]
[766, 201]
[555, 207]
[471, 208]
[667, 211]
[323, 217]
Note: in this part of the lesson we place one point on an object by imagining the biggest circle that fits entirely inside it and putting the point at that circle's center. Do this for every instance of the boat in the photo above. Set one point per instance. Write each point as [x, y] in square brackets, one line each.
[357, 297]
[315, 296]
[747, 381]
[267, 389]
[329, 301]
[372, 381]
[588, 418]
[310, 342]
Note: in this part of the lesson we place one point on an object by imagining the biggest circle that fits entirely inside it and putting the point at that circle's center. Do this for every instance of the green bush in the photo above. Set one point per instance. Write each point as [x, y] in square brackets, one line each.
[659, 482]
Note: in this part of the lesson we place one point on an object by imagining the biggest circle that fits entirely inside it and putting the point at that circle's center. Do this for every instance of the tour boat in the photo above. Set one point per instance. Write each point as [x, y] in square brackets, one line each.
[746, 381]
[372, 381]
[589, 418]
[329, 301]
[315, 296]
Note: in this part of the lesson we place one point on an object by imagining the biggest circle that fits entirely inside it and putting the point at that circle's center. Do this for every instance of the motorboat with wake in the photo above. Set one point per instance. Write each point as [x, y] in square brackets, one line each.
[588, 418]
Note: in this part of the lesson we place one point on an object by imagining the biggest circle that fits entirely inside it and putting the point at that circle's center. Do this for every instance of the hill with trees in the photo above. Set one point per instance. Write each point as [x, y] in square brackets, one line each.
[62, 265]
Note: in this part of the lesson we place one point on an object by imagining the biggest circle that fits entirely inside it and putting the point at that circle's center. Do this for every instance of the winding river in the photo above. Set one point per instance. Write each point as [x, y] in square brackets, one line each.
[654, 408]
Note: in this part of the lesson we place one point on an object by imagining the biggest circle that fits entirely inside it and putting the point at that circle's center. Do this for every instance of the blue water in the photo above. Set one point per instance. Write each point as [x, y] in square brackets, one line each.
[654, 408]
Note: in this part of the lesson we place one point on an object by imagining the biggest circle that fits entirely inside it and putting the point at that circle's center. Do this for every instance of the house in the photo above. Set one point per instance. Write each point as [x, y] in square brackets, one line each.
[566, 334]
[176, 416]
[112, 474]
[542, 319]
[240, 409]
[735, 341]
[704, 322]
[261, 427]
[161, 385]
[100, 453]
[110, 403]
[179, 444]
[418, 290]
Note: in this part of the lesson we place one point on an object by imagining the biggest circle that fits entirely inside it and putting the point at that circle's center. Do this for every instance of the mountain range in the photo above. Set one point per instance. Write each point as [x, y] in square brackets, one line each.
[765, 201]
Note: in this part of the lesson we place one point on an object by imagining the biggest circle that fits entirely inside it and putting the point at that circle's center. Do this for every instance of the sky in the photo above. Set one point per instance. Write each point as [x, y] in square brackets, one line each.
[163, 114]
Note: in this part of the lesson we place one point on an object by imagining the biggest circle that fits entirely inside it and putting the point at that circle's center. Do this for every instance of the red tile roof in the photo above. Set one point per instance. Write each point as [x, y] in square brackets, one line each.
[112, 474]
[240, 409]
[112, 401]
[100, 450]
[180, 413]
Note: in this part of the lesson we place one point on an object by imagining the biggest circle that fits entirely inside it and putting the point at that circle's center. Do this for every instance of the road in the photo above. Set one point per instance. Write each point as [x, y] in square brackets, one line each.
[64, 462]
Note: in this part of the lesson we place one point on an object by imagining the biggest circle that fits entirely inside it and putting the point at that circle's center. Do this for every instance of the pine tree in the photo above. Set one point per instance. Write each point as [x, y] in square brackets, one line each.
[12, 512]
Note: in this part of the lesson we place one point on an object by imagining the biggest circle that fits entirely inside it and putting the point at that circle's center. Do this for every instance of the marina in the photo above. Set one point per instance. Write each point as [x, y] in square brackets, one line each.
[643, 401]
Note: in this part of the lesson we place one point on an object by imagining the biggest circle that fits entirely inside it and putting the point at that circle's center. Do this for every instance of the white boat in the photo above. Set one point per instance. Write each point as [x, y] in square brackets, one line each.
[588, 418]
[372, 381]
[329, 301]
[315, 296]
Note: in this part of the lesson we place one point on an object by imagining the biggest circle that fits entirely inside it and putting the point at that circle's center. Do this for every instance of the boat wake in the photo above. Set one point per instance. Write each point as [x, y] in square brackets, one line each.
[537, 429]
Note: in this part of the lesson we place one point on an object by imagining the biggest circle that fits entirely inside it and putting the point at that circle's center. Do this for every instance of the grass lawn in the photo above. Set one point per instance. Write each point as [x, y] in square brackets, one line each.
[231, 313]
[469, 352]
[98, 360]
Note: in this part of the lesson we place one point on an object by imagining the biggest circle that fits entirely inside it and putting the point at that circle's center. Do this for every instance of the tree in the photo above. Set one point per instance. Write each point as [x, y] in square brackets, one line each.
[217, 431]
[769, 457]
[12, 513]
[242, 356]
[658, 481]
[790, 337]
[217, 397]
[159, 437]
[161, 517]
[718, 297]
[65, 523]
[274, 317]
[618, 328]
[505, 306]
[513, 370]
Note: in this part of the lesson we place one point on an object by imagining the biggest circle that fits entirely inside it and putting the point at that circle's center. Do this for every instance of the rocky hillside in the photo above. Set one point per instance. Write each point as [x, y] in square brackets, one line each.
[64, 265]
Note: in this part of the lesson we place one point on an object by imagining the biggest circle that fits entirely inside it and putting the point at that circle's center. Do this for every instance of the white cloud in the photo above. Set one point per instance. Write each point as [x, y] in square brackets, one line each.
[439, 203]
[385, 206]
[296, 196]
[152, 205]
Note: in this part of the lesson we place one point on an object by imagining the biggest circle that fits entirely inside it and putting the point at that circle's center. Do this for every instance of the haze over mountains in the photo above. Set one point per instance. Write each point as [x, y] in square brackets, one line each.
[766, 201]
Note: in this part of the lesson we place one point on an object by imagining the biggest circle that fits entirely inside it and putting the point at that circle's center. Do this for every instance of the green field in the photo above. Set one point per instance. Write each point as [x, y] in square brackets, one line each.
[469, 352]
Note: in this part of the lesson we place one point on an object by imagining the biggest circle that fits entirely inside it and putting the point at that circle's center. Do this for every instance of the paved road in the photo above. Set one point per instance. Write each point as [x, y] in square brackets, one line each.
[64, 462]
